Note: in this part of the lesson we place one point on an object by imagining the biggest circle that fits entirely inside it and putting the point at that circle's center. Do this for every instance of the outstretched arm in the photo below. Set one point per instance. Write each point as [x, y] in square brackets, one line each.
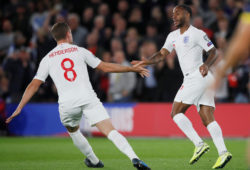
[29, 92]
[117, 68]
[155, 58]
[212, 57]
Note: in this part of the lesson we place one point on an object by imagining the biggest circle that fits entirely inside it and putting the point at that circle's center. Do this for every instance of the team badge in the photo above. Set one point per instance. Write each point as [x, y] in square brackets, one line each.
[209, 42]
[206, 38]
[186, 39]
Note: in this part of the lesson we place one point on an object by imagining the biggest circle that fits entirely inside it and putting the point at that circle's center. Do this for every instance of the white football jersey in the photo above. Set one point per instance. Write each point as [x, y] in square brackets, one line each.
[188, 47]
[67, 66]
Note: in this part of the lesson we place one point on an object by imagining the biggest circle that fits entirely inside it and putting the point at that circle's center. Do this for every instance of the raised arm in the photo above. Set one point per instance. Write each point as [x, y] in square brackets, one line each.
[29, 92]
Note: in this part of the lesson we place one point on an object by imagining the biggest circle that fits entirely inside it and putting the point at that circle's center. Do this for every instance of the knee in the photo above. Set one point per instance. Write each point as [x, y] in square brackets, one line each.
[173, 113]
[72, 129]
[206, 122]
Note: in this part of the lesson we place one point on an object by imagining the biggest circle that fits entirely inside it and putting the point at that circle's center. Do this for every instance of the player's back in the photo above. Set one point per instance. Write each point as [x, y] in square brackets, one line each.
[68, 69]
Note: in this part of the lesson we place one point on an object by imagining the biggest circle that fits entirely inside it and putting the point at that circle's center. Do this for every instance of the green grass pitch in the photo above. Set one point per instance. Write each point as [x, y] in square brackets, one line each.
[159, 153]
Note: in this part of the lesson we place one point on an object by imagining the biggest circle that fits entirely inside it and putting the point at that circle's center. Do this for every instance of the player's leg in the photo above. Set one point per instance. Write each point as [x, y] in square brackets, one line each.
[186, 126]
[177, 113]
[83, 145]
[97, 116]
[120, 141]
[207, 116]
[106, 127]
[70, 118]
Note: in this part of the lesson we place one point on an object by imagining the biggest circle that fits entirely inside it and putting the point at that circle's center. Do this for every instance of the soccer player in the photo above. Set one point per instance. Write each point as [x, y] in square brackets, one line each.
[189, 43]
[67, 66]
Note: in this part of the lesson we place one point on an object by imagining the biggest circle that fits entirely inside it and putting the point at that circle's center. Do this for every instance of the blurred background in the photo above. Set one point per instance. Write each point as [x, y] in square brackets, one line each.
[115, 31]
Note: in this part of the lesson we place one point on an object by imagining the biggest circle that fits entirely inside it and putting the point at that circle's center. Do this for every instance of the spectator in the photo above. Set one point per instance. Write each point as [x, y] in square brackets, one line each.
[147, 89]
[123, 8]
[131, 50]
[210, 14]
[92, 44]
[116, 45]
[19, 42]
[105, 43]
[223, 28]
[87, 18]
[136, 20]
[21, 21]
[99, 25]
[121, 85]
[157, 16]
[132, 34]
[104, 11]
[79, 33]
[7, 38]
[20, 71]
[120, 28]
[39, 17]
[198, 23]
[153, 35]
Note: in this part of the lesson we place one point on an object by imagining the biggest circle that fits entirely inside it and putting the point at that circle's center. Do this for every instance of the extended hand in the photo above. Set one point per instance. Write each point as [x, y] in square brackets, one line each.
[141, 70]
[203, 70]
[8, 120]
[140, 62]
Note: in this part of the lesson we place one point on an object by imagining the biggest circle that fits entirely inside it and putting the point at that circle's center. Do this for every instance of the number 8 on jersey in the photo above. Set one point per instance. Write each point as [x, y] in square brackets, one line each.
[70, 69]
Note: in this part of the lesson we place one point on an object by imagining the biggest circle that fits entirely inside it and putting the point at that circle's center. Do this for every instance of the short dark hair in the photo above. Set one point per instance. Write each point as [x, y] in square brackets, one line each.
[59, 30]
[186, 8]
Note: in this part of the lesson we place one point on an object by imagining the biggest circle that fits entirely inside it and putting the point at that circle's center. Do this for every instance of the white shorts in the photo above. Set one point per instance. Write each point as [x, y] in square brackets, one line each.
[93, 112]
[194, 90]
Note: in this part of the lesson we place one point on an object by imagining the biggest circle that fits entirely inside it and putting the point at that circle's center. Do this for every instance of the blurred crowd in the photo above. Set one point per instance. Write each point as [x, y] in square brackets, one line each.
[116, 31]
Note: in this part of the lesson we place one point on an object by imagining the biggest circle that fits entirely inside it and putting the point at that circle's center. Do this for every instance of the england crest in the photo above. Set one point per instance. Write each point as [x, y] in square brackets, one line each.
[186, 39]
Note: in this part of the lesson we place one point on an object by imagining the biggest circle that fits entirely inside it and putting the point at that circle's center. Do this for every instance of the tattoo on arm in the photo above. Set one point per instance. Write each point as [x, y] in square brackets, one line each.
[156, 58]
[212, 57]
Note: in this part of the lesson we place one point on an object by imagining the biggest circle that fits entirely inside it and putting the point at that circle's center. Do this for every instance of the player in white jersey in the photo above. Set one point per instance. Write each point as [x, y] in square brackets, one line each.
[67, 66]
[189, 43]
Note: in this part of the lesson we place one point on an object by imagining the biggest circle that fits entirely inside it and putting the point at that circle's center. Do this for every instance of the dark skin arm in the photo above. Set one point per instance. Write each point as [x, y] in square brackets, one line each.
[212, 57]
[29, 92]
[154, 59]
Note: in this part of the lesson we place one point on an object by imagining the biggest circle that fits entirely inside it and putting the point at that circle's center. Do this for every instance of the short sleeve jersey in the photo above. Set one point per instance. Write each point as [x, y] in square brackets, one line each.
[67, 66]
[188, 47]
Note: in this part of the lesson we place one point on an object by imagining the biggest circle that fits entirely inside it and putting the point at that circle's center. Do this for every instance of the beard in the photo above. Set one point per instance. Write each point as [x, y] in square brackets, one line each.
[182, 22]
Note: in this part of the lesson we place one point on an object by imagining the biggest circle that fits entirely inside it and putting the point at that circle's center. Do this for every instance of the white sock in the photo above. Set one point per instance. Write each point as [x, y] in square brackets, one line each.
[122, 144]
[81, 143]
[186, 126]
[216, 134]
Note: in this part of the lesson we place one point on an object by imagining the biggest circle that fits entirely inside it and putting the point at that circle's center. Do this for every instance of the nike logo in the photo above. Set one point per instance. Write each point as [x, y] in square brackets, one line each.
[199, 150]
[223, 158]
